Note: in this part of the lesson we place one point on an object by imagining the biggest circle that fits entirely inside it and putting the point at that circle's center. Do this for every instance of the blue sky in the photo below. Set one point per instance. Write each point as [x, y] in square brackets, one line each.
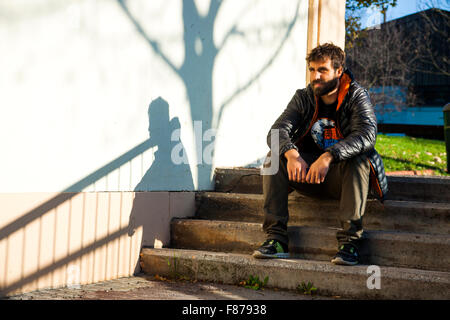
[403, 8]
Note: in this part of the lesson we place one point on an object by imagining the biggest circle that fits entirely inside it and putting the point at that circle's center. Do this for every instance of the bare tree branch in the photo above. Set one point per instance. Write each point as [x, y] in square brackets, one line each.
[244, 87]
[436, 29]
[214, 7]
[153, 44]
[233, 30]
[380, 63]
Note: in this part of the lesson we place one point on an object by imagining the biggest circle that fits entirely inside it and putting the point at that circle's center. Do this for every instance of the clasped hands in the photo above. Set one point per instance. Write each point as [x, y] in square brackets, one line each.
[298, 169]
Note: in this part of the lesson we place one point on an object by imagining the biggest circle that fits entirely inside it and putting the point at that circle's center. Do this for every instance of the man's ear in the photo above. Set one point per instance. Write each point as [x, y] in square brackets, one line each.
[340, 70]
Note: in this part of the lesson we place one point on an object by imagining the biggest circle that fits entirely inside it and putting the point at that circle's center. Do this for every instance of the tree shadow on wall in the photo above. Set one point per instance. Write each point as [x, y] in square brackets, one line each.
[200, 53]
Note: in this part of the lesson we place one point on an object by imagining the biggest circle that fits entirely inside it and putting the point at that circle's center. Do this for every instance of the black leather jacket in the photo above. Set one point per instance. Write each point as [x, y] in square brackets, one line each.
[356, 123]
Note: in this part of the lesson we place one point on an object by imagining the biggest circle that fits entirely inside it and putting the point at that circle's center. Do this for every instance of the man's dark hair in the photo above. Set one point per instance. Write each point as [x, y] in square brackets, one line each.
[327, 50]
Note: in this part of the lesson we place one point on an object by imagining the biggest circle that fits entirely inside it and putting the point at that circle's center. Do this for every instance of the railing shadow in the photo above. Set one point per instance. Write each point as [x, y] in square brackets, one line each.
[74, 189]
[62, 262]
[163, 175]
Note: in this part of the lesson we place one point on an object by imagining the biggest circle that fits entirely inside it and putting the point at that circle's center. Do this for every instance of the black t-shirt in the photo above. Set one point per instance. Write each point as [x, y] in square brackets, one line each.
[323, 133]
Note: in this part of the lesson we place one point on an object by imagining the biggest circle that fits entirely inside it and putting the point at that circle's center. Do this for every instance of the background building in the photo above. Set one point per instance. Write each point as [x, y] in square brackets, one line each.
[406, 64]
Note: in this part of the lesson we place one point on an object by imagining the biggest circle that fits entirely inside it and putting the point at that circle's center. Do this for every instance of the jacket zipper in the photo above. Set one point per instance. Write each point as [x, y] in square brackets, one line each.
[338, 127]
[316, 111]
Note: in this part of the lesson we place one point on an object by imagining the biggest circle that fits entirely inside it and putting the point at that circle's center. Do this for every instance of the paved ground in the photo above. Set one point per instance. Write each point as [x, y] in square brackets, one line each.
[144, 287]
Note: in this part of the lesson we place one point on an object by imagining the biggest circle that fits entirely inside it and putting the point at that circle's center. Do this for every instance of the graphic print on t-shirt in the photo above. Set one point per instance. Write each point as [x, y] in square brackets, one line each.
[324, 133]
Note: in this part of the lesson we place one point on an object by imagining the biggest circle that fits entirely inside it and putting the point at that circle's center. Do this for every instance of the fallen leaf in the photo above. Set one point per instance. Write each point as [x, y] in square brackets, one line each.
[158, 277]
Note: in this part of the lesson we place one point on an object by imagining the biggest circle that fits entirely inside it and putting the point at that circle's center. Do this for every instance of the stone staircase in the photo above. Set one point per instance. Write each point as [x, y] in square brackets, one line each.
[408, 238]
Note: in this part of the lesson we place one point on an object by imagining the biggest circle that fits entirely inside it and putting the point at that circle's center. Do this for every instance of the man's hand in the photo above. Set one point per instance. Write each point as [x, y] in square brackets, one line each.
[319, 168]
[296, 166]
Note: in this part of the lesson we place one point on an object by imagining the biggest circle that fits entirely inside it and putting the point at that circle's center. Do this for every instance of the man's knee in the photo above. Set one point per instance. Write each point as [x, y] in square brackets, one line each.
[358, 164]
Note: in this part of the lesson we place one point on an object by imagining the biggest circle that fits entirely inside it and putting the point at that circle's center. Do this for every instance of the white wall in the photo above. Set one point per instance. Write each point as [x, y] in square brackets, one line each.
[77, 79]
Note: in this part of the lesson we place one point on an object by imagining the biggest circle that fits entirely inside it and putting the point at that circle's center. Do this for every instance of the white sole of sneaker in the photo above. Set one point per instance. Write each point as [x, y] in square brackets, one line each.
[257, 254]
[342, 262]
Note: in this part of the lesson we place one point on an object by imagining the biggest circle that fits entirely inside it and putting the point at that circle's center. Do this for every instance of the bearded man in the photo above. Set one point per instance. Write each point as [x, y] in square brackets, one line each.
[327, 135]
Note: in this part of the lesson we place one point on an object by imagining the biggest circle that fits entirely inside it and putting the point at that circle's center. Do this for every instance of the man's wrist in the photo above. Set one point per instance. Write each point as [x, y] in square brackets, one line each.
[327, 156]
[291, 153]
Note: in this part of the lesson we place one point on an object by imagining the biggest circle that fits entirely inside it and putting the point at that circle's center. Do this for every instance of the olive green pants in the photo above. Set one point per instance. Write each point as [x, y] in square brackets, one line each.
[346, 181]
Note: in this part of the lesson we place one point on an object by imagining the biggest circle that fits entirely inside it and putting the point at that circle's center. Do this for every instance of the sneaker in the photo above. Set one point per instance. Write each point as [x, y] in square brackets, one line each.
[347, 255]
[271, 249]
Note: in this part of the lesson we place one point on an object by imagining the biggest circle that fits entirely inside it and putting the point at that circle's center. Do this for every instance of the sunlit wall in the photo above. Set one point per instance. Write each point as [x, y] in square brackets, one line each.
[79, 77]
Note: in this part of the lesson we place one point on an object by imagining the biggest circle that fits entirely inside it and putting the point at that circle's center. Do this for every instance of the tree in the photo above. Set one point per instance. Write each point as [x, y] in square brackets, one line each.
[381, 5]
[380, 62]
[432, 53]
[404, 62]
[353, 19]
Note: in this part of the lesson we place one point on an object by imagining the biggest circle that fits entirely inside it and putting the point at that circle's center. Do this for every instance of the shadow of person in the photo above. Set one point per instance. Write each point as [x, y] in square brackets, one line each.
[170, 171]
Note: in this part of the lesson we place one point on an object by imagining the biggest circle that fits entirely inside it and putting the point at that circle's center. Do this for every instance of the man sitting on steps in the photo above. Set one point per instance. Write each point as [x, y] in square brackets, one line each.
[327, 135]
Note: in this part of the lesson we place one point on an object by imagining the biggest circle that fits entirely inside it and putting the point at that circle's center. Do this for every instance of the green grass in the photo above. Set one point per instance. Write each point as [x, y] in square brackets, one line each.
[407, 153]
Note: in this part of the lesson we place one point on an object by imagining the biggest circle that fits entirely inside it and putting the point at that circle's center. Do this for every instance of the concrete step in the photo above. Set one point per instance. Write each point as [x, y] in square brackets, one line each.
[410, 216]
[331, 280]
[432, 189]
[397, 249]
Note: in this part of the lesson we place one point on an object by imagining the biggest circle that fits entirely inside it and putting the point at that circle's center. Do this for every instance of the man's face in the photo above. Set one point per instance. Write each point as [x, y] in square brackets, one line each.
[324, 78]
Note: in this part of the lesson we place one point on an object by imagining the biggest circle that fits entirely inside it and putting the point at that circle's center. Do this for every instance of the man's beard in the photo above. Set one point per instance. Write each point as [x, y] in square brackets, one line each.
[326, 86]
